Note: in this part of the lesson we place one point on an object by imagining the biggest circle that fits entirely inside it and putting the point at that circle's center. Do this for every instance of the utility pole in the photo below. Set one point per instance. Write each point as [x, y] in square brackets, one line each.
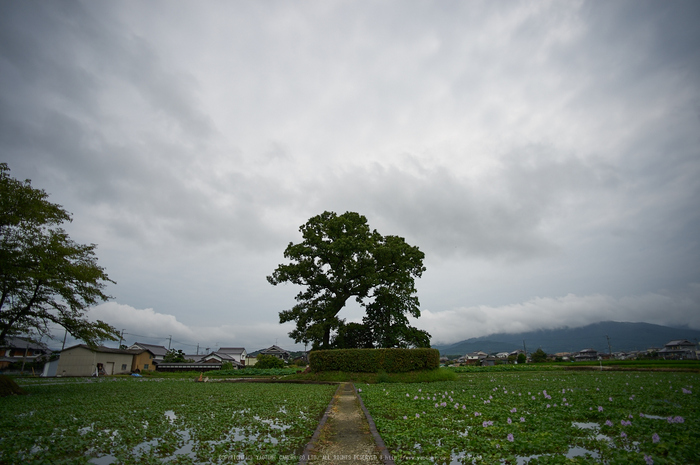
[170, 340]
[609, 346]
[524, 348]
[121, 338]
[64, 340]
[198, 348]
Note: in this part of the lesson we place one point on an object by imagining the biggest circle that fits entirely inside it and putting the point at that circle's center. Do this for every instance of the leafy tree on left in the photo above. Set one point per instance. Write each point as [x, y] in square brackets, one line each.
[45, 277]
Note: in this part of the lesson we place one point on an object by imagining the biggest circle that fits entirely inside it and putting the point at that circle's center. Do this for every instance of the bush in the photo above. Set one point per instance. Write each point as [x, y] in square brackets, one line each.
[374, 360]
[226, 366]
[383, 377]
[268, 361]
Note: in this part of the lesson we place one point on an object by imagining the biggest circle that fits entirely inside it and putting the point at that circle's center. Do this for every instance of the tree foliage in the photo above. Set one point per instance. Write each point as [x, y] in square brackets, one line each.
[268, 361]
[175, 356]
[539, 356]
[341, 258]
[45, 277]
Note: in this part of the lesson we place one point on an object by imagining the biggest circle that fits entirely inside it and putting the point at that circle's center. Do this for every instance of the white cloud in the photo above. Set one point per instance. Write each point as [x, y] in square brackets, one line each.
[151, 327]
[146, 322]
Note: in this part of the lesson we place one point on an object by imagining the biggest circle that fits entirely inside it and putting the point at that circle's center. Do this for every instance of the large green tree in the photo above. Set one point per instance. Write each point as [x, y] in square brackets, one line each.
[46, 278]
[341, 258]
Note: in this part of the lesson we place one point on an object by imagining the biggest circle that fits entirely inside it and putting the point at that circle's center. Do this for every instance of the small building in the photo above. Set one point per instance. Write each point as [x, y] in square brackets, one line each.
[586, 355]
[50, 369]
[83, 360]
[489, 361]
[238, 354]
[144, 360]
[474, 358]
[678, 349]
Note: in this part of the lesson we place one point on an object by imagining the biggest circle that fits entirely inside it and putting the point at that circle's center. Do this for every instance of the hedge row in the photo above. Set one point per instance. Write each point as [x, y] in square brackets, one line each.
[374, 360]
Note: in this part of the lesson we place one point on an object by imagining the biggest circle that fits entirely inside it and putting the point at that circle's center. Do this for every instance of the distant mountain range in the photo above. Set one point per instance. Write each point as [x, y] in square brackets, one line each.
[624, 337]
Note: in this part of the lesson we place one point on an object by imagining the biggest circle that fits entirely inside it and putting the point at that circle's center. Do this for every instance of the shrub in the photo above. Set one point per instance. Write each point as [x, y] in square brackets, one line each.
[226, 366]
[269, 361]
[374, 360]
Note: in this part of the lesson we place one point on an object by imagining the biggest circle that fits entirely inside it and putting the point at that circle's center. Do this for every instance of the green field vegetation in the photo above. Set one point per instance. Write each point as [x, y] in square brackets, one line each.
[422, 376]
[252, 372]
[137, 421]
[645, 365]
[541, 418]
[505, 368]
[648, 363]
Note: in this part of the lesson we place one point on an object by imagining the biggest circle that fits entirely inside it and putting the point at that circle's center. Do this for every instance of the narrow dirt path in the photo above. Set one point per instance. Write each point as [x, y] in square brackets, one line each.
[345, 438]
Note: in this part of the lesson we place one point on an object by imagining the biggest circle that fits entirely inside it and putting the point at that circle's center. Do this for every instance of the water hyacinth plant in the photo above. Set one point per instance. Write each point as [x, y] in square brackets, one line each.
[650, 419]
[128, 421]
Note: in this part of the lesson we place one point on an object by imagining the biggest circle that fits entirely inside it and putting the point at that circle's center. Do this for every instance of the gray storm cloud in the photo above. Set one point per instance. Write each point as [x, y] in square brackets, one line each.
[544, 156]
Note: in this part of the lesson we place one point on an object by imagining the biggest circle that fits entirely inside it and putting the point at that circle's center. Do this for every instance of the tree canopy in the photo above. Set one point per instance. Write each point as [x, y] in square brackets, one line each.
[539, 356]
[45, 277]
[176, 356]
[268, 361]
[341, 258]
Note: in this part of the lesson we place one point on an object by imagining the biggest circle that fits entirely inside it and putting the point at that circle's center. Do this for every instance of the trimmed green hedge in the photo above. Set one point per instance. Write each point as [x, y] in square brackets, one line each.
[374, 360]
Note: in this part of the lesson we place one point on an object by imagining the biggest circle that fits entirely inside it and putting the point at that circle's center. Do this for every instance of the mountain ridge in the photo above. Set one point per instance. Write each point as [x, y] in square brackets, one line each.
[623, 337]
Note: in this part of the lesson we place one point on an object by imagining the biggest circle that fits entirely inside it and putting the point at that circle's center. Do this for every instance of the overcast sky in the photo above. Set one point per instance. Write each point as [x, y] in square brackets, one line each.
[545, 156]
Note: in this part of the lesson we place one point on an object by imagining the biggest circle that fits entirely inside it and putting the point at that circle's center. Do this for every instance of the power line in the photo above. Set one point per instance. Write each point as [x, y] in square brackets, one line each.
[185, 344]
[148, 337]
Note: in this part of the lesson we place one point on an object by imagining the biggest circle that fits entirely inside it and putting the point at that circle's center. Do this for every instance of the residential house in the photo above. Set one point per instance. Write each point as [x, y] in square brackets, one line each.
[488, 361]
[82, 360]
[276, 352]
[474, 358]
[158, 352]
[679, 349]
[144, 360]
[20, 349]
[236, 353]
[586, 355]
[222, 357]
